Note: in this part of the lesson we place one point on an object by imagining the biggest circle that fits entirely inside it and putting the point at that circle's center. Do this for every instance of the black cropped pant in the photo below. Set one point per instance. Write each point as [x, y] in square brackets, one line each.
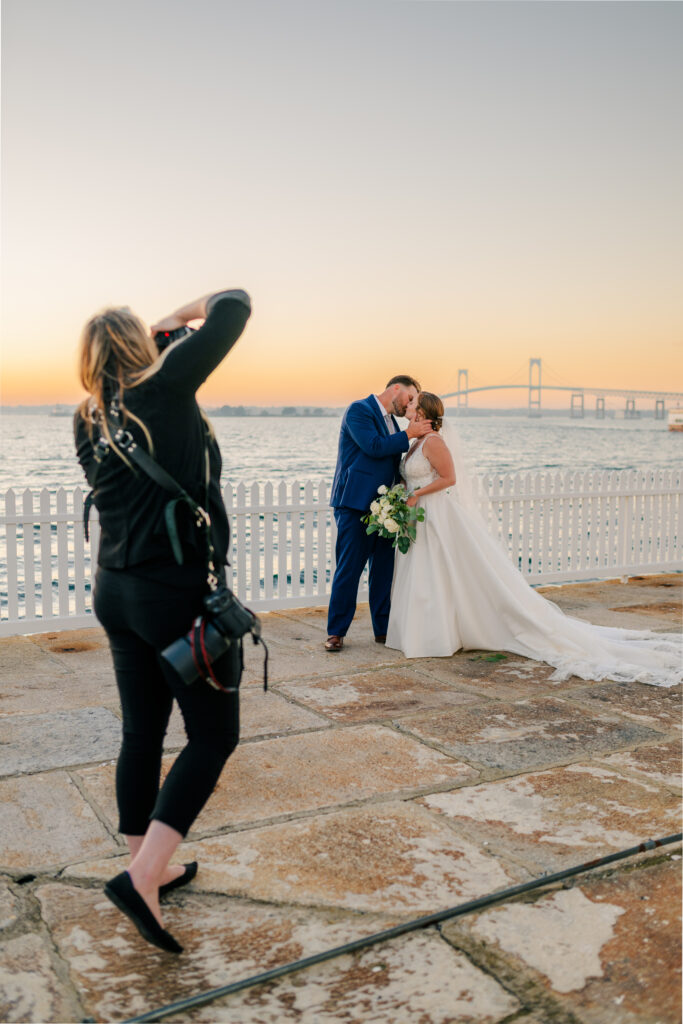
[142, 614]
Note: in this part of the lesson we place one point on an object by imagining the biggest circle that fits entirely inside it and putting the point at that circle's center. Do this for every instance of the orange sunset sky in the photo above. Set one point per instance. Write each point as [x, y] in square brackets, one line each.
[401, 186]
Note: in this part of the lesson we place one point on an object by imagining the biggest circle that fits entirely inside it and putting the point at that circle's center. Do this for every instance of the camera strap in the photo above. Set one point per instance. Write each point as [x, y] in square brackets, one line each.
[124, 441]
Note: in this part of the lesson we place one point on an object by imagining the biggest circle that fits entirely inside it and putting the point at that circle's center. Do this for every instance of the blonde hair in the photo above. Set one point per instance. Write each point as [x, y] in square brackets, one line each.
[116, 353]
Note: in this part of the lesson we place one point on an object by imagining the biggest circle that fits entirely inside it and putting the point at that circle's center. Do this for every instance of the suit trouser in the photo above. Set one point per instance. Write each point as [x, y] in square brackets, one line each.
[354, 549]
[142, 616]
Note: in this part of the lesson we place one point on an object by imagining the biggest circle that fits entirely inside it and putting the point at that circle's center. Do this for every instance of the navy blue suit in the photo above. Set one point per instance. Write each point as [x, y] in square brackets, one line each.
[368, 456]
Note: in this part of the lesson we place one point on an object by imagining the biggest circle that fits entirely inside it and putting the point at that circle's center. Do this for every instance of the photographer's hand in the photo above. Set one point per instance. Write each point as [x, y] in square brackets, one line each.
[192, 311]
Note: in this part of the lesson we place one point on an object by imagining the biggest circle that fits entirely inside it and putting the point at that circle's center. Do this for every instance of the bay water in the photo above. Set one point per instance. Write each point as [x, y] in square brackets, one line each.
[38, 450]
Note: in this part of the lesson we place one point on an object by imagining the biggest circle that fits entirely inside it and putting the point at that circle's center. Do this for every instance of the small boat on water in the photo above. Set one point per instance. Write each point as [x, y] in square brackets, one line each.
[676, 419]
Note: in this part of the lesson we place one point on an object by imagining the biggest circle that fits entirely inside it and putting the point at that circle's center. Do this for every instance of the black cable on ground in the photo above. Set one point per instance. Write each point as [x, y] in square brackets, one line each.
[192, 1002]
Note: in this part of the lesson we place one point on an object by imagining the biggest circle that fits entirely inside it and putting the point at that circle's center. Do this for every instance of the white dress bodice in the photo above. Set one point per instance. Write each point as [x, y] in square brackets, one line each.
[416, 469]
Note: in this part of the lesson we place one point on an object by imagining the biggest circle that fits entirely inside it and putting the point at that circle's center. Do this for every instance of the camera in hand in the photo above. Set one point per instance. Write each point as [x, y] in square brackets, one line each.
[165, 338]
[225, 622]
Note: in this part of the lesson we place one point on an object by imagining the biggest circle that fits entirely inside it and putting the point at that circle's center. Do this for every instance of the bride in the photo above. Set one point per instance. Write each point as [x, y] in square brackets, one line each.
[456, 587]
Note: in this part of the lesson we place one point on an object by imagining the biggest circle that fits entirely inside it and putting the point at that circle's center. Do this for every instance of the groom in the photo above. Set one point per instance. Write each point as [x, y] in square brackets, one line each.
[370, 447]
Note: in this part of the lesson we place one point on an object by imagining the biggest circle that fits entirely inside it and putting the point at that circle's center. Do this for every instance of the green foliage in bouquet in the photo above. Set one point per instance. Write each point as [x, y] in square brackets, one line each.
[391, 517]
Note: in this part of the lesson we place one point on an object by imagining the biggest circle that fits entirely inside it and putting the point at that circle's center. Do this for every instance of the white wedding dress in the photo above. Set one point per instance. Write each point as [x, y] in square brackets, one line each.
[456, 589]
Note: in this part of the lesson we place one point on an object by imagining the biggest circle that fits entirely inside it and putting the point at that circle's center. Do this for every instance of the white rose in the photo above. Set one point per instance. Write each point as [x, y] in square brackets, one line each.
[374, 507]
[391, 525]
[382, 489]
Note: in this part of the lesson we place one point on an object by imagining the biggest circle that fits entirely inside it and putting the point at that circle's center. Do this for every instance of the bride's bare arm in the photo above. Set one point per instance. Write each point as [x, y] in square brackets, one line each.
[437, 454]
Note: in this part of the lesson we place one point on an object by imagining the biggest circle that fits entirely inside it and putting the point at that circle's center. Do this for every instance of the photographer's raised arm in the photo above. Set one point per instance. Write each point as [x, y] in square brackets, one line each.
[187, 364]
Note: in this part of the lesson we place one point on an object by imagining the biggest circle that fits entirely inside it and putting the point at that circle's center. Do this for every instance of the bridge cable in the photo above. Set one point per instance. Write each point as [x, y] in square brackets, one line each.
[417, 923]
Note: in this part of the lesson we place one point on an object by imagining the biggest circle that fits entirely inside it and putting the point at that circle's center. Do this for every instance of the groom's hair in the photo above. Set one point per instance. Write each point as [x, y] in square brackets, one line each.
[405, 381]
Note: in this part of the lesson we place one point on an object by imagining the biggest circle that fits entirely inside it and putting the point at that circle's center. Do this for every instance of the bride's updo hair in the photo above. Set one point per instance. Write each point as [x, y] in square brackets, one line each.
[432, 408]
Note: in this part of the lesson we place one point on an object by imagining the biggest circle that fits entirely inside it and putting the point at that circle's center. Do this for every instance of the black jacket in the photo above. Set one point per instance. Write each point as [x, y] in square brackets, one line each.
[130, 505]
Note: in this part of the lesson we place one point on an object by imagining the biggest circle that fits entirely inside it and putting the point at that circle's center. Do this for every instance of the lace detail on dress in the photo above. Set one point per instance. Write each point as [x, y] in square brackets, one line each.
[416, 469]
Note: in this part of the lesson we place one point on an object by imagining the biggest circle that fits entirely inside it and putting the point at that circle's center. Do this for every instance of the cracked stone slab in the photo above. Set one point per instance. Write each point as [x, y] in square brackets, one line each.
[528, 734]
[660, 763]
[416, 977]
[657, 707]
[606, 950]
[272, 778]
[46, 822]
[555, 819]
[30, 989]
[393, 858]
[381, 694]
[9, 906]
[31, 743]
[261, 714]
[495, 674]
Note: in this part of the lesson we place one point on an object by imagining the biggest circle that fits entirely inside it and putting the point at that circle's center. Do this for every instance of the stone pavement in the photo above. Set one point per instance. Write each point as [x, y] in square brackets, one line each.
[367, 789]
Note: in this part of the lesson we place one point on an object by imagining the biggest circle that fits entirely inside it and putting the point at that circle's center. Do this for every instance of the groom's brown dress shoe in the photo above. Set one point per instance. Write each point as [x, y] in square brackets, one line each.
[334, 643]
[381, 639]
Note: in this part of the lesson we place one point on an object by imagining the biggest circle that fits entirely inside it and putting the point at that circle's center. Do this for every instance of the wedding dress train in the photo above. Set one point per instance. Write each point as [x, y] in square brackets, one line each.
[456, 589]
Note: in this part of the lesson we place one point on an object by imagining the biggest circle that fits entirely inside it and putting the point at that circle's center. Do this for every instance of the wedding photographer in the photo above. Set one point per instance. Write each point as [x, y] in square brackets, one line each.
[141, 438]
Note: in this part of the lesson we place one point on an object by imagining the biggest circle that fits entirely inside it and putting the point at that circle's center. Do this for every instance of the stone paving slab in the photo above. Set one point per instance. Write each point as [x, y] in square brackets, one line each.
[46, 822]
[39, 693]
[497, 675]
[610, 602]
[660, 763]
[418, 977]
[261, 714]
[670, 610]
[24, 664]
[348, 820]
[309, 660]
[658, 707]
[554, 819]
[381, 694]
[606, 950]
[31, 743]
[9, 906]
[307, 772]
[30, 989]
[391, 857]
[509, 738]
[297, 651]
[90, 644]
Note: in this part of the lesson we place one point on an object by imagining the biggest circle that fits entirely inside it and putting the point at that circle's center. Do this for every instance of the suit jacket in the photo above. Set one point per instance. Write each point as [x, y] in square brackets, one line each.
[368, 455]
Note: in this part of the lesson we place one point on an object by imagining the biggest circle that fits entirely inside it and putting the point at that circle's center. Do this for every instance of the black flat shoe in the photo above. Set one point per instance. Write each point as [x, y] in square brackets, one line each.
[123, 894]
[187, 876]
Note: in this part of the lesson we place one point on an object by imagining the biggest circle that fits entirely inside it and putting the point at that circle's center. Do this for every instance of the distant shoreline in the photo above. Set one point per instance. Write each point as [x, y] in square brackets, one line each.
[309, 411]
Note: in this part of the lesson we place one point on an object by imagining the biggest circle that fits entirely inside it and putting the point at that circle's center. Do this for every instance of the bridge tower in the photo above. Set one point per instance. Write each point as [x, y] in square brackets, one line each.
[462, 387]
[534, 387]
[600, 407]
[660, 411]
[576, 408]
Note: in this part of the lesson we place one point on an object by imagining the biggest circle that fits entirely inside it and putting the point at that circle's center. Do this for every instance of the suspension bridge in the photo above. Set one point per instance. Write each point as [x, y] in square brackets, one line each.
[577, 406]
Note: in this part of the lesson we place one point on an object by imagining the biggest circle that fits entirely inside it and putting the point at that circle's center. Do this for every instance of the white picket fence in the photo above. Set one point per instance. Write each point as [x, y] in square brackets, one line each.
[556, 527]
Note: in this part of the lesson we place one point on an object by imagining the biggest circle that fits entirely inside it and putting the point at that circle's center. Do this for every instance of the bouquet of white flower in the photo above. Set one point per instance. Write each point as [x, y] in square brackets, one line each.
[392, 517]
